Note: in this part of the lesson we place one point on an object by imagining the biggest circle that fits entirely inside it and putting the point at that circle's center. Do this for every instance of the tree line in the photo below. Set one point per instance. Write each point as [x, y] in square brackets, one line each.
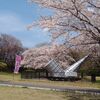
[9, 48]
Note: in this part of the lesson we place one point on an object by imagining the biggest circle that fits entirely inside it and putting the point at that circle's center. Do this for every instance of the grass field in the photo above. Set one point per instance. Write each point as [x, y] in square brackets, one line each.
[12, 93]
[81, 83]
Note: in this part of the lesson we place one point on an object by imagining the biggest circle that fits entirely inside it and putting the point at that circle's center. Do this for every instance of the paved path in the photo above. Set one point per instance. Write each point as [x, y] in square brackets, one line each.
[46, 87]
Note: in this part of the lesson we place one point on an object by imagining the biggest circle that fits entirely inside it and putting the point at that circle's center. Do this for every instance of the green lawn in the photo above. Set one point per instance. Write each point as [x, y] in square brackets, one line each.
[12, 93]
[81, 83]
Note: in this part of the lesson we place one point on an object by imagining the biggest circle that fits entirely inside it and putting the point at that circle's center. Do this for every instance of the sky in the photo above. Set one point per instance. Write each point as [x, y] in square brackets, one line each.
[16, 15]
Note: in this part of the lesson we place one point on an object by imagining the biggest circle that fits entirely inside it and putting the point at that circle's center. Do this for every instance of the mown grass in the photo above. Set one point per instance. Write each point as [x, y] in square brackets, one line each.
[12, 93]
[81, 83]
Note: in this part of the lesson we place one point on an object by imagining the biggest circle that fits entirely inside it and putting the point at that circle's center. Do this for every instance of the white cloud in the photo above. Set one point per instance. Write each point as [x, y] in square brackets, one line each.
[46, 29]
[11, 23]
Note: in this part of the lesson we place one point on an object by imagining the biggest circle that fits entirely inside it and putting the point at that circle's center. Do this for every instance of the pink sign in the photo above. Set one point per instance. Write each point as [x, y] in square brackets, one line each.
[17, 64]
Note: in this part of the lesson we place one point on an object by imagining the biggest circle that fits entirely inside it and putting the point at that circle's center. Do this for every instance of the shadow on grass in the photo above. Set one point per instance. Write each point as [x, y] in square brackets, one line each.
[98, 81]
[80, 96]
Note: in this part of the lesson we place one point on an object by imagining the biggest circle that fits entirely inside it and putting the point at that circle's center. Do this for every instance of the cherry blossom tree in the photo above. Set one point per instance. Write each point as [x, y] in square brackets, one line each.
[78, 21]
[72, 16]
[39, 57]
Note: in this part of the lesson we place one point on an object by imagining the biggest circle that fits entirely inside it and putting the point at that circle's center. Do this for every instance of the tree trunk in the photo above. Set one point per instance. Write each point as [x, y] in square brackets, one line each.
[82, 75]
[47, 74]
[93, 78]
